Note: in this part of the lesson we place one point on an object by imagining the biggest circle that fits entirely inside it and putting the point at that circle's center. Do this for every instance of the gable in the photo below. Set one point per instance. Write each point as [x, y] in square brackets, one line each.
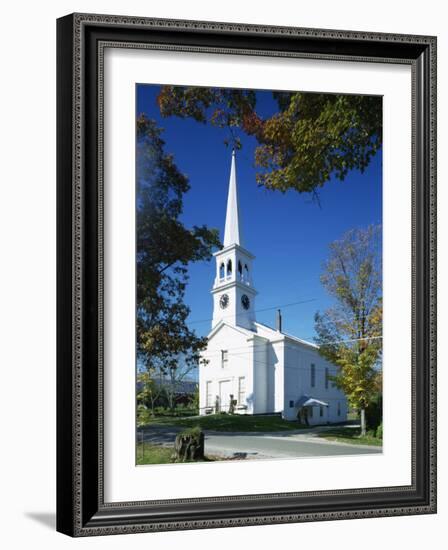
[268, 332]
[228, 329]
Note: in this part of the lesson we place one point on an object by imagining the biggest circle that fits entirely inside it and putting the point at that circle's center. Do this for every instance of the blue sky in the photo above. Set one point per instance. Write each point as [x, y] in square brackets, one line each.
[288, 233]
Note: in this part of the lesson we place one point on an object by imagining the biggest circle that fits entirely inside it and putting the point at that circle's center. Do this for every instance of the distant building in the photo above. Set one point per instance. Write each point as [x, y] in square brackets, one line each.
[183, 390]
[260, 369]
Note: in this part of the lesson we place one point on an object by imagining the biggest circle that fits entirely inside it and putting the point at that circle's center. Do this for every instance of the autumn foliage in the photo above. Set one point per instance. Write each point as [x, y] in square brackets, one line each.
[311, 138]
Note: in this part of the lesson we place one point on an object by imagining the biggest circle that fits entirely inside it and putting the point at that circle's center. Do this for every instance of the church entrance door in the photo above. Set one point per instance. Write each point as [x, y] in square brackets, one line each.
[224, 395]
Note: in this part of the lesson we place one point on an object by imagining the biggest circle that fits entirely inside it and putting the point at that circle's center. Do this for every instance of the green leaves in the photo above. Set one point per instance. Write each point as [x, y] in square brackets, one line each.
[311, 138]
[349, 334]
[318, 136]
[165, 248]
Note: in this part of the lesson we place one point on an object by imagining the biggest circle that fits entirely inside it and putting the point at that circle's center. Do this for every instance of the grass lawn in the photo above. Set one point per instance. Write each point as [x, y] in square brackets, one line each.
[153, 454]
[228, 423]
[158, 454]
[351, 435]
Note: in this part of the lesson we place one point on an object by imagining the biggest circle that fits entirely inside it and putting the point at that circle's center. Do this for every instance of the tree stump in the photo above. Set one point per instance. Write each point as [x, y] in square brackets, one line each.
[189, 445]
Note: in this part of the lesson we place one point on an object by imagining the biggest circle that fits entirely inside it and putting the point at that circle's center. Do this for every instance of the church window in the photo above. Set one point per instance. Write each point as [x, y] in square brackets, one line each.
[229, 268]
[321, 411]
[310, 412]
[246, 272]
[208, 393]
[221, 271]
[326, 378]
[291, 404]
[313, 375]
[339, 408]
[224, 358]
[240, 270]
[241, 390]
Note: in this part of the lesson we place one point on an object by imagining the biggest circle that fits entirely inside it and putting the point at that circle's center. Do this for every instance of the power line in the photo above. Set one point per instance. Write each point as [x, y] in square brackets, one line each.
[256, 311]
[348, 318]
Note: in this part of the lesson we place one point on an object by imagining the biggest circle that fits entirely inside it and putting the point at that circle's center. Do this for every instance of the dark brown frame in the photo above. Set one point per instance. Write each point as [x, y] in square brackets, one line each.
[81, 39]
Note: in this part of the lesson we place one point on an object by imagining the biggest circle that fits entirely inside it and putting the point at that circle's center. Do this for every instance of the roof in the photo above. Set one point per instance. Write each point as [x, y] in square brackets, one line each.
[308, 401]
[272, 332]
[300, 341]
[263, 331]
[180, 386]
[183, 386]
[222, 324]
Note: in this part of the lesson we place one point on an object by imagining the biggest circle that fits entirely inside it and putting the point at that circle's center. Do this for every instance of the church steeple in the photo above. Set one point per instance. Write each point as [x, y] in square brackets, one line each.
[233, 291]
[233, 229]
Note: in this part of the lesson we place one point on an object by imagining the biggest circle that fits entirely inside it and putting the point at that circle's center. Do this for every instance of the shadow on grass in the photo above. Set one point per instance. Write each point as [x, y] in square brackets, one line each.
[227, 423]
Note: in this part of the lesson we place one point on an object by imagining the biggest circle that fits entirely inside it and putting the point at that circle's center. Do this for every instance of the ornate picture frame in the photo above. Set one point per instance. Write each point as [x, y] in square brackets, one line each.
[81, 507]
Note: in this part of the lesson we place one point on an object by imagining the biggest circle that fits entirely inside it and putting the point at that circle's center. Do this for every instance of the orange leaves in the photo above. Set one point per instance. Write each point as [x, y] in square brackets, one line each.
[252, 124]
[311, 138]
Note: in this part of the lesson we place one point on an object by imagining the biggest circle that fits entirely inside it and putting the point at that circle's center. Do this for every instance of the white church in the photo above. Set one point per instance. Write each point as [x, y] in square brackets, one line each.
[251, 368]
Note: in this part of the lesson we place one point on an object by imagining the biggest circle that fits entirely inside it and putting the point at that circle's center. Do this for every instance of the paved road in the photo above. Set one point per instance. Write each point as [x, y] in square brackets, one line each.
[273, 445]
[283, 446]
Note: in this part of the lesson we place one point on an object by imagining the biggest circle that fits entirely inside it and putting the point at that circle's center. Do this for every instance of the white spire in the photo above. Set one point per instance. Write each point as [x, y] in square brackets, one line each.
[233, 229]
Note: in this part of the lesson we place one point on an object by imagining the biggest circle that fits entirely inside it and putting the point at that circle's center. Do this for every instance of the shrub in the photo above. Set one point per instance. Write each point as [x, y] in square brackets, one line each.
[379, 431]
[194, 432]
[143, 415]
[195, 400]
[374, 412]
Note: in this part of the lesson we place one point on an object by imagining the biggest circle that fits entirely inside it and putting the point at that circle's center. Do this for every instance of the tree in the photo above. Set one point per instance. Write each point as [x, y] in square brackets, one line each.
[310, 138]
[149, 388]
[195, 399]
[165, 248]
[350, 333]
[175, 378]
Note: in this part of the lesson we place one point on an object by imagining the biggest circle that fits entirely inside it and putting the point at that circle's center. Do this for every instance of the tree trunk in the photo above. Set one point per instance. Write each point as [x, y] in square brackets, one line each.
[363, 422]
[189, 446]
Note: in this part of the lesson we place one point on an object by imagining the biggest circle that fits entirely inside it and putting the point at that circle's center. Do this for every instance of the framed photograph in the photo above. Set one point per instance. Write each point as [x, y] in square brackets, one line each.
[246, 274]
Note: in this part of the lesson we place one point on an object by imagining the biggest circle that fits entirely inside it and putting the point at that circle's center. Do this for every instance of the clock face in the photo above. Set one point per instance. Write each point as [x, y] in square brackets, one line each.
[224, 301]
[245, 301]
